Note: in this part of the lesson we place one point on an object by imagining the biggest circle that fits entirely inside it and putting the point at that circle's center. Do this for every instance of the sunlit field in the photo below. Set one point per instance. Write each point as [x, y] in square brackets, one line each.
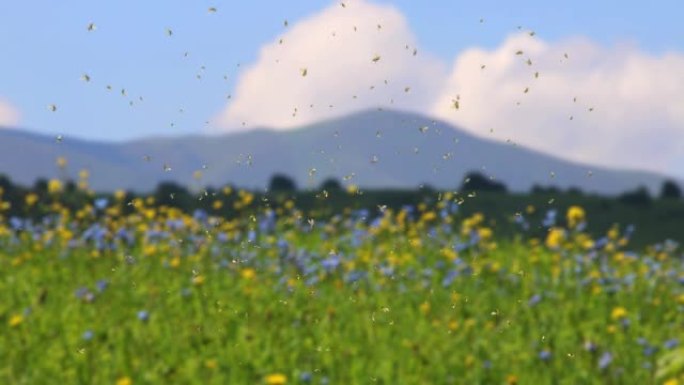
[127, 292]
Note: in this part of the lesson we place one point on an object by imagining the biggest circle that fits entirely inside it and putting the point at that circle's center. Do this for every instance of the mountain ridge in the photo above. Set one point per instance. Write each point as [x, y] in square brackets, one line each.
[369, 148]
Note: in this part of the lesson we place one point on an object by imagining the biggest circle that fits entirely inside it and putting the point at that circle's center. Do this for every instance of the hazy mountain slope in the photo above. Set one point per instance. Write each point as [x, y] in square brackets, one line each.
[376, 148]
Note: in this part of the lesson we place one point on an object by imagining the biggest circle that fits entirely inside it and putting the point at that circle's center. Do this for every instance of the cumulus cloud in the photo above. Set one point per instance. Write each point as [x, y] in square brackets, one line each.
[336, 47]
[533, 92]
[9, 116]
[615, 106]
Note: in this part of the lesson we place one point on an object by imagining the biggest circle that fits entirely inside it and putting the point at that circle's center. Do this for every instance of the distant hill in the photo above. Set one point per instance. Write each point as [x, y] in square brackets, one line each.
[370, 149]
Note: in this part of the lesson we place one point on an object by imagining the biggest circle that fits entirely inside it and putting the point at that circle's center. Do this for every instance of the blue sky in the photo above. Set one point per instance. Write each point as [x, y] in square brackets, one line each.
[625, 63]
[46, 49]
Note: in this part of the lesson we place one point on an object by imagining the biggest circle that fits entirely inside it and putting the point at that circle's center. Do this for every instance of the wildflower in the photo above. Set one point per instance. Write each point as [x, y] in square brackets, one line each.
[511, 379]
[211, 363]
[87, 335]
[198, 280]
[535, 299]
[16, 320]
[119, 195]
[671, 381]
[618, 313]
[305, 377]
[555, 237]
[545, 355]
[54, 186]
[671, 343]
[590, 346]
[143, 315]
[31, 199]
[101, 203]
[102, 285]
[605, 360]
[575, 216]
[124, 381]
[276, 379]
[248, 273]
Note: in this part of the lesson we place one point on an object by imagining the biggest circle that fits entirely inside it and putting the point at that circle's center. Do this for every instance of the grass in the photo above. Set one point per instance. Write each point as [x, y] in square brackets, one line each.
[401, 300]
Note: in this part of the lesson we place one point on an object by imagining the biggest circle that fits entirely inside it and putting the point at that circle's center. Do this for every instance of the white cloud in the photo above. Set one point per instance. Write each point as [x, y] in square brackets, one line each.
[339, 64]
[638, 101]
[9, 116]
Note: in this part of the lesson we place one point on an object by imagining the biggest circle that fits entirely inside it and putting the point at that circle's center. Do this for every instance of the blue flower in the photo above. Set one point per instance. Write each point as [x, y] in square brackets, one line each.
[605, 360]
[590, 346]
[305, 377]
[88, 335]
[535, 299]
[143, 315]
[101, 203]
[671, 343]
[102, 285]
[545, 355]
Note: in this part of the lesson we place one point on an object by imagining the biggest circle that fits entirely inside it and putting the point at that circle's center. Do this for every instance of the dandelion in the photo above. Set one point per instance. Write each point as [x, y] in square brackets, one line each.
[575, 216]
[124, 381]
[511, 379]
[618, 313]
[276, 379]
[198, 280]
[555, 237]
[16, 320]
[31, 199]
[425, 307]
[54, 186]
[248, 273]
[211, 363]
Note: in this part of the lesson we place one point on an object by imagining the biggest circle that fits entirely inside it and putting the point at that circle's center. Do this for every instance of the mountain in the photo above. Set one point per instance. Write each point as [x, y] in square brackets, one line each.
[370, 148]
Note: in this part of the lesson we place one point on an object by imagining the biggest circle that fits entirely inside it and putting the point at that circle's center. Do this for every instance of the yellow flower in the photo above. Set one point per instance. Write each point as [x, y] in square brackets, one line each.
[119, 195]
[84, 174]
[54, 186]
[248, 273]
[428, 216]
[671, 381]
[511, 379]
[613, 233]
[555, 238]
[16, 320]
[198, 280]
[124, 381]
[211, 363]
[575, 216]
[618, 313]
[485, 233]
[276, 379]
[425, 307]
